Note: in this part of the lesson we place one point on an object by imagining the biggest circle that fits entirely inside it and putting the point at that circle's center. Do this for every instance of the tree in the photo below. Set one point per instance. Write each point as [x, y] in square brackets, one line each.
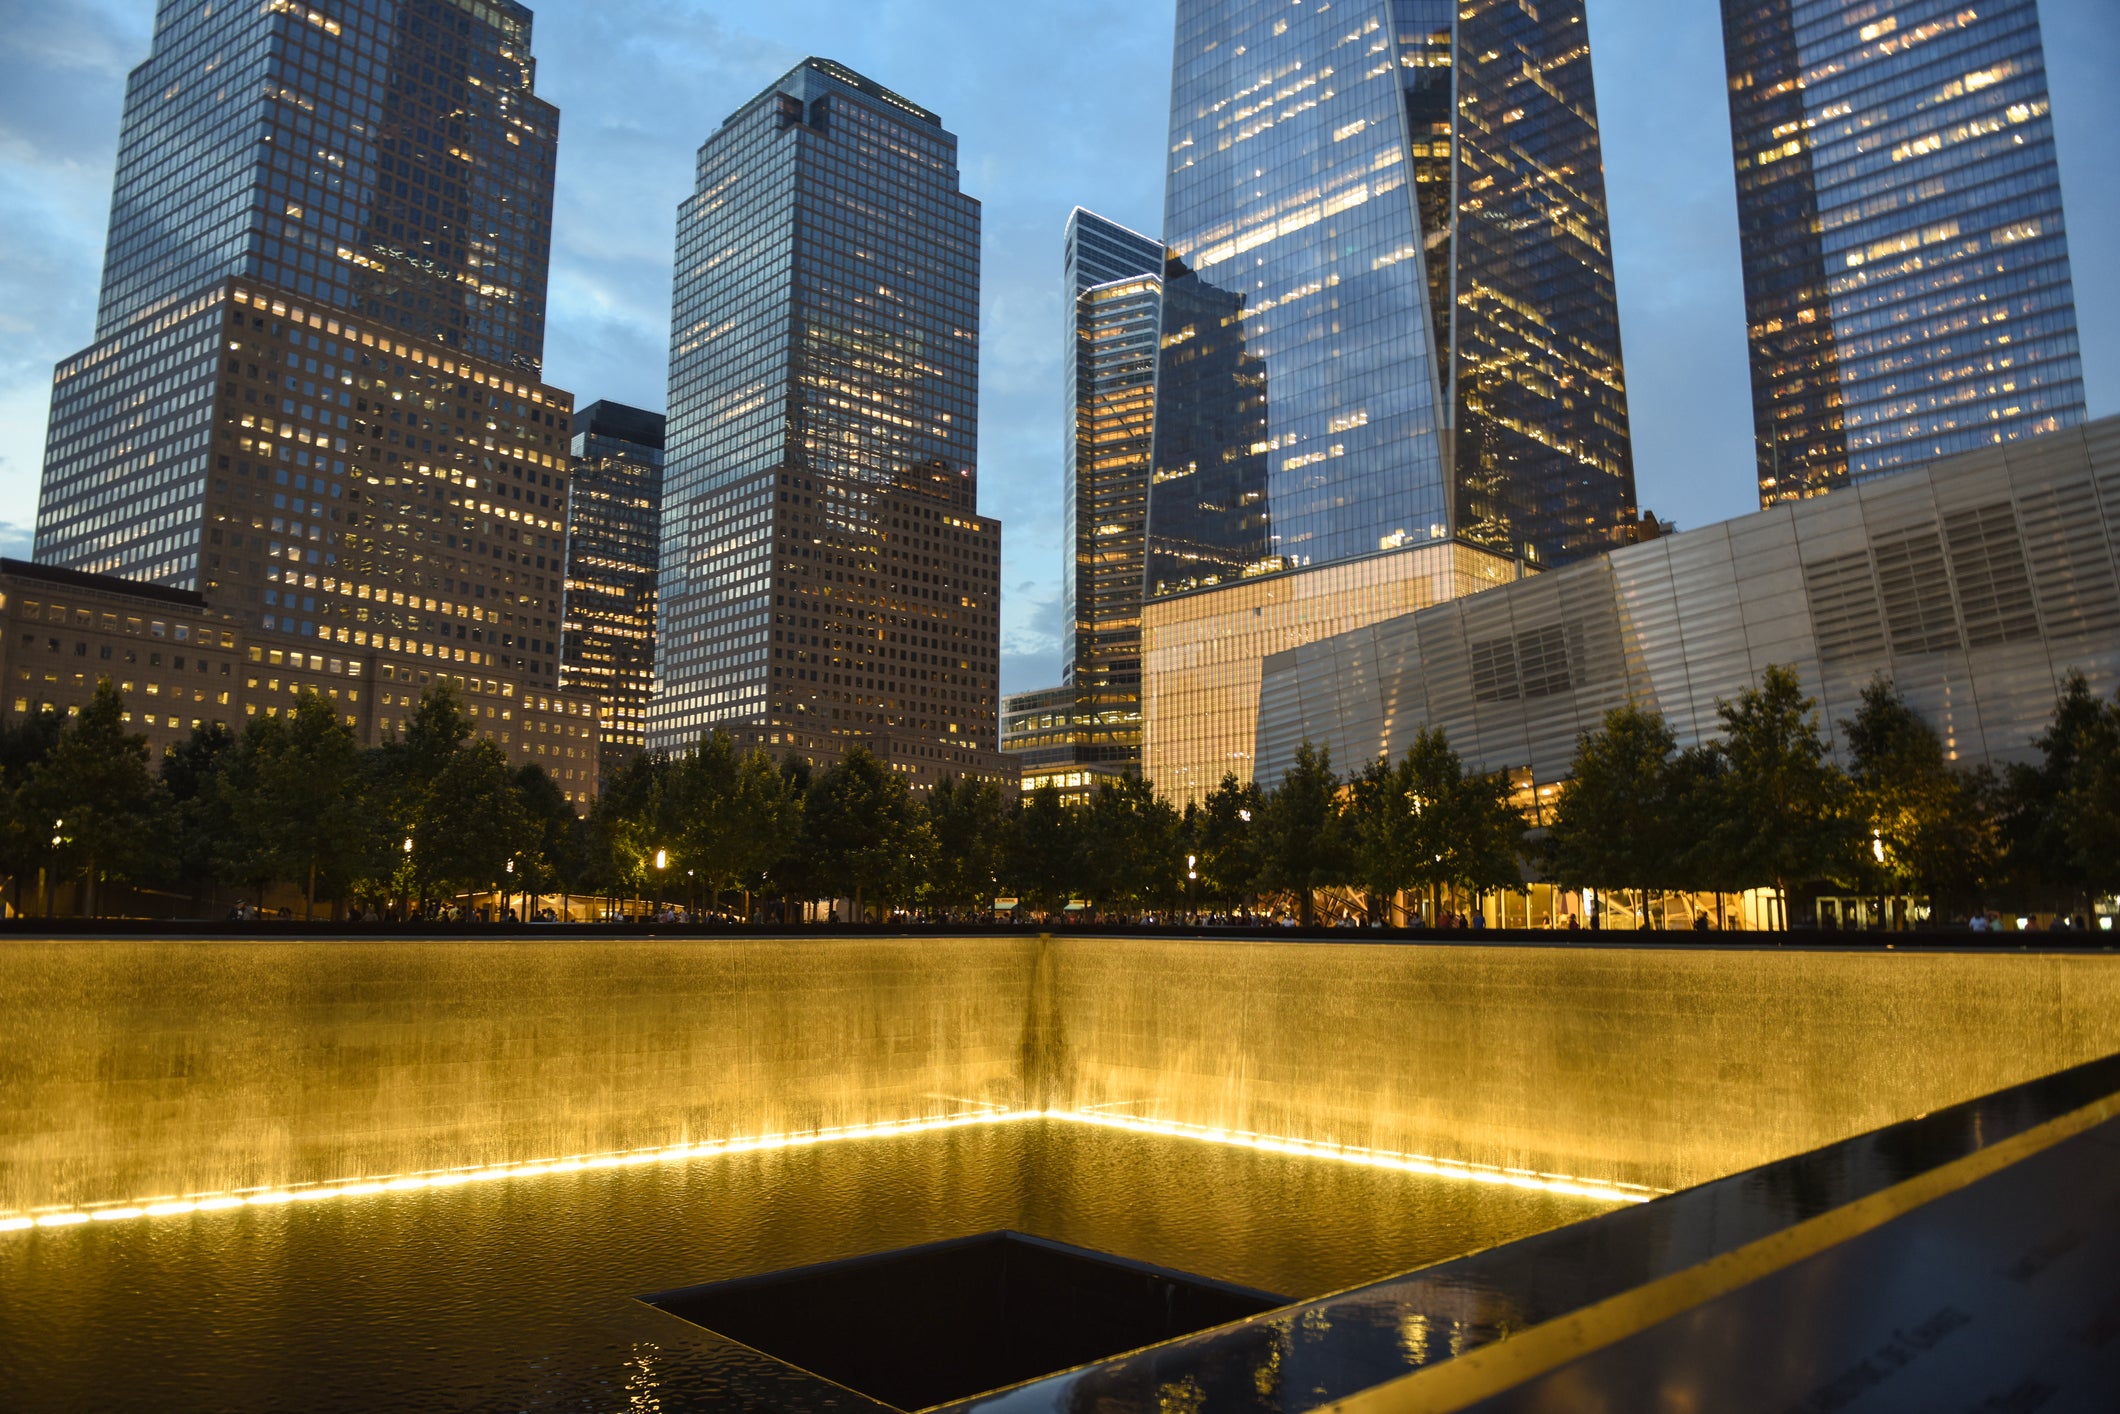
[697, 820]
[1379, 827]
[105, 811]
[25, 842]
[1701, 861]
[863, 831]
[1922, 826]
[291, 800]
[1461, 831]
[1303, 844]
[622, 823]
[191, 777]
[552, 856]
[1127, 843]
[767, 809]
[792, 873]
[2053, 807]
[1038, 850]
[968, 820]
[471, 824]
[452, 798]
[1616, 820]
[1226, 839]
[2090, 806]
[1782, 820]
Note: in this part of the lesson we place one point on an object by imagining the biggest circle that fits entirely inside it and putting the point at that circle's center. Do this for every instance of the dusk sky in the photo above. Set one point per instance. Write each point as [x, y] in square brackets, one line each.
[1055, 105]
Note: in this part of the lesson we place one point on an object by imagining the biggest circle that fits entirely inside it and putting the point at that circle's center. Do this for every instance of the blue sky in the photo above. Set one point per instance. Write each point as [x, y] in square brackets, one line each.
[1056, 104]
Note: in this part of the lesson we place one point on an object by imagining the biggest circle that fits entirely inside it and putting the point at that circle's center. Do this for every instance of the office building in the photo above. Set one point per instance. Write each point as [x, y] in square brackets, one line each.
[180, 664]
[1090, 726]
[826, 578]
[1066, 738]
[614, 520]
[1114, 283]
[1907, 290]
[1976, 585]
[1390, 368]
[313, 395]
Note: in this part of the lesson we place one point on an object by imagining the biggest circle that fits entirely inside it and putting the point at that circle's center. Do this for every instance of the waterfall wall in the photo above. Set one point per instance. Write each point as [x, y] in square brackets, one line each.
[130, 1070]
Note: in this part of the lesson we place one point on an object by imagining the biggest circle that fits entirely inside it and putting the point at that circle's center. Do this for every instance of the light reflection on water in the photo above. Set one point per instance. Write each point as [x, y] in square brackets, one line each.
[518, 1295]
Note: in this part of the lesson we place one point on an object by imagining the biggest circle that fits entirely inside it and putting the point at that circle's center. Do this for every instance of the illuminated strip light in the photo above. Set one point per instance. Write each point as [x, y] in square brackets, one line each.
[451, 1178]
[1493, 1175]
[1567, 1185]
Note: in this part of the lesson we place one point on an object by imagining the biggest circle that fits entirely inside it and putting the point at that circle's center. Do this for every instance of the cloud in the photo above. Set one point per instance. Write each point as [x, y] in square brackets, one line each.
[62, 87]
[1030, 645]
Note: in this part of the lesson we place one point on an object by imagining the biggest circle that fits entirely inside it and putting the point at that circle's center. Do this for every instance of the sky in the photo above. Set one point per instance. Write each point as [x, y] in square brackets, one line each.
[1055, 105]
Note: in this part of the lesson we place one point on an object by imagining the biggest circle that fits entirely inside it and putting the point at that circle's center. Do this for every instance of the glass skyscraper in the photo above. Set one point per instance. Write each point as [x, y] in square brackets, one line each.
[614, 519]
[1907, 283]
[1390, 350]
[313, 394]
[1390, 315]
[826, 577]
[1089, 727]
[390, 160]
[1114, 280]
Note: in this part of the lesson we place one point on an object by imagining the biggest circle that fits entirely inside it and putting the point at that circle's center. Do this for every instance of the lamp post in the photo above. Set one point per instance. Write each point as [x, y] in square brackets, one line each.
[1192, 879]
[662, 862]
[46, 885]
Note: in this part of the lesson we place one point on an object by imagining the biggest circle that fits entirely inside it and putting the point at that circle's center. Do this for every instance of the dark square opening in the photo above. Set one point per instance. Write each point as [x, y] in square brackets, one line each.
[925, 1325]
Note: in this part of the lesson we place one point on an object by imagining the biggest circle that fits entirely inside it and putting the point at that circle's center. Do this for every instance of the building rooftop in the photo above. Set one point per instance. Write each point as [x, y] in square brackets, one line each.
[101, 583]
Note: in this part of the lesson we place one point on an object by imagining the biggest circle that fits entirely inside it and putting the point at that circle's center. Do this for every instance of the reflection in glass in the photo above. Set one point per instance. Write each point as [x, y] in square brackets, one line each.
[1389, 315]
[1907, 280]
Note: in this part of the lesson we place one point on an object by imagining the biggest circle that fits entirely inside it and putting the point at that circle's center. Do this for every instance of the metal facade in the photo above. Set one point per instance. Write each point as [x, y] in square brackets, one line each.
[1976, 585]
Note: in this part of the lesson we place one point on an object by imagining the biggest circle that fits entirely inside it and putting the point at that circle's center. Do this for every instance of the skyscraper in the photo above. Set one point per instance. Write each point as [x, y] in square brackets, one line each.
[614, 520]
[1390, 368]
[313, 393]
[826, 578]
[1907, 290]
[1114, 280]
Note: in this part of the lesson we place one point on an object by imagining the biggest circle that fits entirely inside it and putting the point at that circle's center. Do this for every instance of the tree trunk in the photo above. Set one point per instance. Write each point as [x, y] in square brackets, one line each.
[309, 903]
[88, 890]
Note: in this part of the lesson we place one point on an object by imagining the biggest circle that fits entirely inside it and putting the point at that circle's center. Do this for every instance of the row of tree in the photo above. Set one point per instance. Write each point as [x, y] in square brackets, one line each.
[437, 813]
[1766, 807]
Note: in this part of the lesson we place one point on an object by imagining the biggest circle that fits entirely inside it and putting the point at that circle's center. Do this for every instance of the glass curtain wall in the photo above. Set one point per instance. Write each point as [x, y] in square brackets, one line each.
[823, 435]
[1389, 315]
[1907, 279]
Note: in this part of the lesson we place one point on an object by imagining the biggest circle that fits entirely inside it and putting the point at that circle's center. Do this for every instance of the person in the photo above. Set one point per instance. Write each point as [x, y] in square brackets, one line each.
[1574, 925]
[1700, 922]
[1978, 923]
[1479, 920]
